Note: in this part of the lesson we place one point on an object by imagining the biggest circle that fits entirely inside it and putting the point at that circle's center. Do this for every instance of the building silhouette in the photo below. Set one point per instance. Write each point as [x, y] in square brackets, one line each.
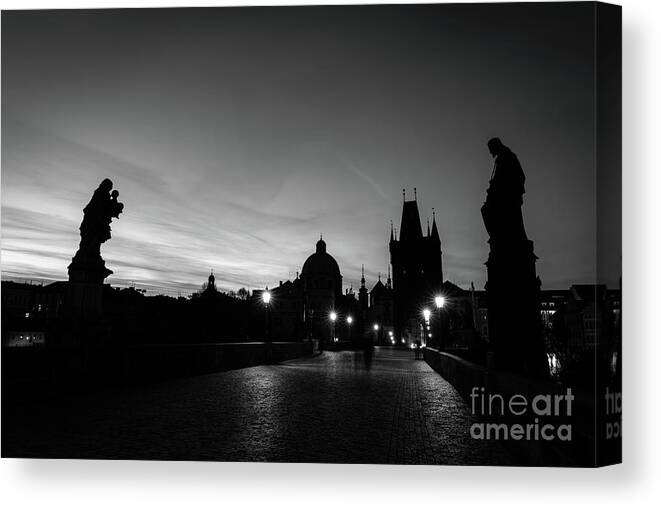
[382, 312]
[301, 308]
[322, 288]
[417, 270]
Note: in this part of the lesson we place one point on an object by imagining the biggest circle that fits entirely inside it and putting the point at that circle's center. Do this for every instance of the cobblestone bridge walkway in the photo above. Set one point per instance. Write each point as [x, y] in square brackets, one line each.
[325, 408]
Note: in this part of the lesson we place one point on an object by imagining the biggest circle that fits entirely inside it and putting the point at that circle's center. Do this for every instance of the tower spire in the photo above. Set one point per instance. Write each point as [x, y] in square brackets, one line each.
[392, 237]
[434, 229]
[403, 194]
[389, 280]
[428, 231]
[415, 194]
[363, 297]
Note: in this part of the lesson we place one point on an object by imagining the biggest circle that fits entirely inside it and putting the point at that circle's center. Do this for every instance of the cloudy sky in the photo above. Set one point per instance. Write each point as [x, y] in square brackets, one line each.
[237, 136]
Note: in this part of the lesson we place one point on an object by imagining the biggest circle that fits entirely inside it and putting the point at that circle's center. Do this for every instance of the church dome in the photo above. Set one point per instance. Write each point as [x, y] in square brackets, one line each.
[320, 262]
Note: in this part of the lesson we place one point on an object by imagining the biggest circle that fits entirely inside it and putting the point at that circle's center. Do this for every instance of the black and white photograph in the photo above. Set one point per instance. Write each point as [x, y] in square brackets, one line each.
[347, 234]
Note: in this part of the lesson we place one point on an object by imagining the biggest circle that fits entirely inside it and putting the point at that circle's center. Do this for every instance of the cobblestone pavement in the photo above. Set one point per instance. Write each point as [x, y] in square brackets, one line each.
[327, 408]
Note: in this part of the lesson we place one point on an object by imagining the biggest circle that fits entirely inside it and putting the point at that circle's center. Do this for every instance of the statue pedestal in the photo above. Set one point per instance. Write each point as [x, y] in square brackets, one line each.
[85, 300]
[515, 330]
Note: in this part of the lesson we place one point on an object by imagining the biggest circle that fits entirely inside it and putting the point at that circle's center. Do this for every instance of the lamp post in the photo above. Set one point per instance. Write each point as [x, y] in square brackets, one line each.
[376, 332]
[426, 313]
[333, 318]
[349, 321]
[266, 298]
[440, 303]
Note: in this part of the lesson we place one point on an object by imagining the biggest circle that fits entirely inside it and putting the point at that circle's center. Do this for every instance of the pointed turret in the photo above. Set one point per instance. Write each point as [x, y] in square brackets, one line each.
[362, 292]
[389, 280]
[434, 229]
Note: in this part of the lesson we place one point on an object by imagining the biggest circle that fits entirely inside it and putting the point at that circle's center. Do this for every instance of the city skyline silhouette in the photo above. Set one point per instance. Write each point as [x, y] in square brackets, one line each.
[236, 144]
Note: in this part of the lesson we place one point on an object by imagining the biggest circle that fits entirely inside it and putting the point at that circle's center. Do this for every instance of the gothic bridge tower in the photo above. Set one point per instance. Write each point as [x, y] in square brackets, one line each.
[417, 269]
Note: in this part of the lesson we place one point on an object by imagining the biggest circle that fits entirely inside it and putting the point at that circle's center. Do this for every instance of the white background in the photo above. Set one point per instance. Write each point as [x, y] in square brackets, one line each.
[636, 482]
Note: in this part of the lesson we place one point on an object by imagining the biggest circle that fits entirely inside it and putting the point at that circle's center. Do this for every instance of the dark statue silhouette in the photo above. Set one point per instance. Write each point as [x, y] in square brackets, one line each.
[87, 264]
[504, 221]
[512, 284]
[87, 270]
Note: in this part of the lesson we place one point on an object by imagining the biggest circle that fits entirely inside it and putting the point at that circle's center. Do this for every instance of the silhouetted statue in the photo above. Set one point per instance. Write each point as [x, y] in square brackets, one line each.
[102, 208]
[87, 270]
[515, 331]
[503, 218]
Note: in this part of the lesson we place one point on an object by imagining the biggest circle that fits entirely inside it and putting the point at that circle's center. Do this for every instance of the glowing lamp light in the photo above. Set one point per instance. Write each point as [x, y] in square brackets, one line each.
[333, 316]
[266, 297]
[426, 313]
[440, 301]
[349, 319]
[390, 333]
[376, 327]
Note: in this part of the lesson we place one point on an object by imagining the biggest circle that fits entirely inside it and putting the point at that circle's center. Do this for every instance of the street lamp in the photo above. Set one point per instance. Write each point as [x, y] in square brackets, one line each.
[440, 303]
[266, 298]
[349, 321]
[426, 314]
[333, 318]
